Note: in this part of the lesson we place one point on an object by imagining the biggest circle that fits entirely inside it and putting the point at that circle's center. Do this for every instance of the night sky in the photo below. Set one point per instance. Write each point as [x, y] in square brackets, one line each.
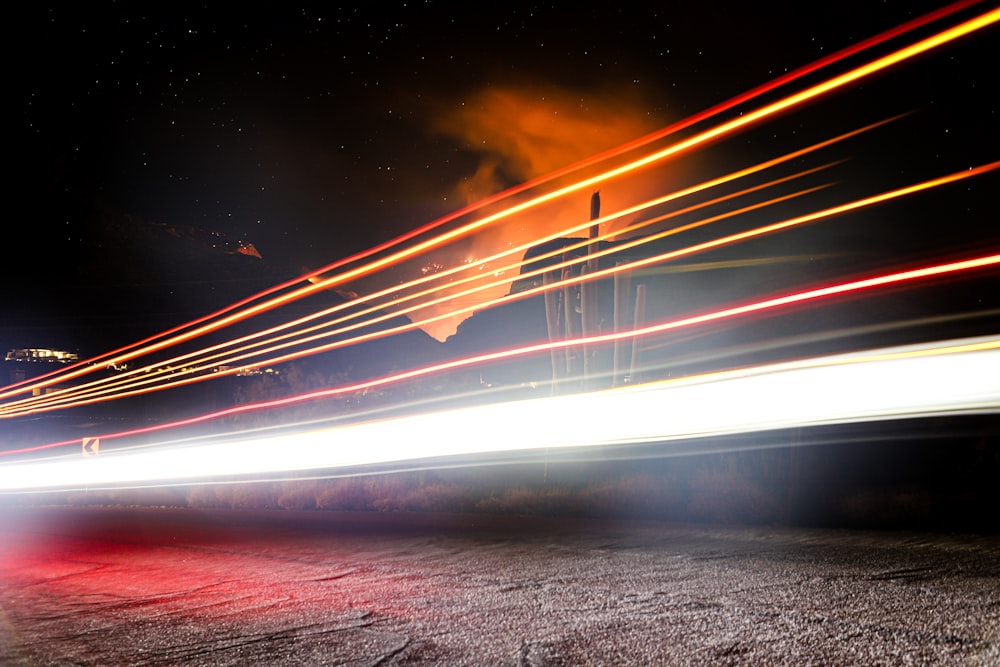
[312, 131]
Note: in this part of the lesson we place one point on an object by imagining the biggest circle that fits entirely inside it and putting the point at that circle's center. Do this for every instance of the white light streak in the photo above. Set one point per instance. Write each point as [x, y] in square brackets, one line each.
[945, 378]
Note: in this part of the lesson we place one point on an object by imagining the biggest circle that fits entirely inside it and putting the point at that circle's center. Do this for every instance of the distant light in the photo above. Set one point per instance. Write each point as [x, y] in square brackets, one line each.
[41, 354]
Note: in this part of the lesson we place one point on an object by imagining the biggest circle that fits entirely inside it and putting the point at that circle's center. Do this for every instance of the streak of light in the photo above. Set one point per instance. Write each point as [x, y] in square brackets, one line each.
[198, 363]
[149, 373]
[638, 208]
[149, 379]
[766, 229]
[53, 402]
[950, 378]
[206, 325]
[668, 256]
[898, 277]
[790, 342]
[731, 264]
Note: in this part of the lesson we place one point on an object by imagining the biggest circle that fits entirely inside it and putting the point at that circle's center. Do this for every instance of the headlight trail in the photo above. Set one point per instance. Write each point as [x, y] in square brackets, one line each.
[222, 319]
[198, 373]
[46, 403]
[887, 279]
[165, 373]
[638, 208]
[197, 364]
[955, 377]
[799, 340]
[150, 372]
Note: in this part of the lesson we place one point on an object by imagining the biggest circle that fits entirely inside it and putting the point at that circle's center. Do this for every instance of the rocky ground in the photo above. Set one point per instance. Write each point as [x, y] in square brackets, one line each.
[163, 587]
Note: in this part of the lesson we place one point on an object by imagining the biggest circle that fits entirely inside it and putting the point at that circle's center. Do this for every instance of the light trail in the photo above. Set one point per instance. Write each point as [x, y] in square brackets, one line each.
[70, 397]
[683, 252]
[899, 277]
[639, 208]
[199, 364]
[164, 368]
[204, 325]
[787, 343]
[951, 378]
[47, 403]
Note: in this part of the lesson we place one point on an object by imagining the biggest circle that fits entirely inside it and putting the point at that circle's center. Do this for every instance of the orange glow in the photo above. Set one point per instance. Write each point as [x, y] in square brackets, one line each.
[184, 366]
[151, 373]
[55, 401]
[219, 319]
[522, 132]
[233, 314]
[714, 316]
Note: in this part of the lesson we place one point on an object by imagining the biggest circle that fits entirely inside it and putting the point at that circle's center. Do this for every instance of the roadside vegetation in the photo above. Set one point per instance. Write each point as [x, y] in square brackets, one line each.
[749, 488]
[933, 485]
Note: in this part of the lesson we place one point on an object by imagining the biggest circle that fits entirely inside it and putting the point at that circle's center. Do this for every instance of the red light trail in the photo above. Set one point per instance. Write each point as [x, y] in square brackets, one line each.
[162, 368]
[221, 319]
[185, 376]
[190, 364]
[273, 349]
[855, 286]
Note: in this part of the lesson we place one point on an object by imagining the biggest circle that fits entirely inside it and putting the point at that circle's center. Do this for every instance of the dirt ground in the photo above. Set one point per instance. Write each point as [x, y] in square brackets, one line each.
[166, 587]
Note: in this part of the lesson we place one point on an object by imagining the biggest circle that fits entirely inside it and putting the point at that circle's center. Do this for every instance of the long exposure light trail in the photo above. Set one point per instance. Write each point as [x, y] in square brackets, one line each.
[699, 139]
[150, 380]
[955, 377]
[638, 208]
[767, 229]
[150, 372]
[798, 341]
[174, 370]
[169, 372]
[883, 280]
[713, 244]
[151, 375]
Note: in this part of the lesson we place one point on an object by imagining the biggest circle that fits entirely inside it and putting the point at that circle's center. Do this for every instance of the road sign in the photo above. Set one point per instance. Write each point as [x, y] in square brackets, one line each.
[91, 446]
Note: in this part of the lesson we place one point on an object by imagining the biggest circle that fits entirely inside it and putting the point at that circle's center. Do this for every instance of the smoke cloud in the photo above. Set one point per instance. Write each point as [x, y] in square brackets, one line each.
[523, 133]
[517, 134]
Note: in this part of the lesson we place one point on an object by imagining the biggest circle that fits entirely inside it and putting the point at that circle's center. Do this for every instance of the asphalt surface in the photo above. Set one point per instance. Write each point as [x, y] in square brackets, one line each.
[166, 587]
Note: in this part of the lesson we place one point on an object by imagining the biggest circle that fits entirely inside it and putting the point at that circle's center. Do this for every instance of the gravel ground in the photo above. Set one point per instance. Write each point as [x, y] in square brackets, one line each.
[165, 587]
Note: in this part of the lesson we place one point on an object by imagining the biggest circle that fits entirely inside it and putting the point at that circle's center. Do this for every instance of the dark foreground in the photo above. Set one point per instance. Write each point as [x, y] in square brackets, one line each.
[164, 587]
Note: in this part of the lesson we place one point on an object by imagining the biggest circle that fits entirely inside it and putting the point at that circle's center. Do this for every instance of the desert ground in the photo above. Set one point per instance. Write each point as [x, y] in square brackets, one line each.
[146, 586]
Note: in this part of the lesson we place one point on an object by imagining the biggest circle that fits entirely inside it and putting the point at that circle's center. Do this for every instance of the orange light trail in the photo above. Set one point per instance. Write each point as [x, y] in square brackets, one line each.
[778, 226]
[883, 280]
[673, 196]
[151, 372]
[149, 377]
[220, 320]
[52, 401]
[165, 367]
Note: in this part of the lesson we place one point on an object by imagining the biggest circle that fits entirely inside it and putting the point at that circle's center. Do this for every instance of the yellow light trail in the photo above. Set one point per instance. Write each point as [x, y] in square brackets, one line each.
[168, 367]
[201, 365]
[673, 150]
[899, 277]
[45, 403]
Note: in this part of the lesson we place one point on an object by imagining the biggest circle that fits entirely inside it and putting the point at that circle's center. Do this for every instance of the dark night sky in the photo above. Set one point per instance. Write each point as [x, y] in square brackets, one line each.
[311, 130]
